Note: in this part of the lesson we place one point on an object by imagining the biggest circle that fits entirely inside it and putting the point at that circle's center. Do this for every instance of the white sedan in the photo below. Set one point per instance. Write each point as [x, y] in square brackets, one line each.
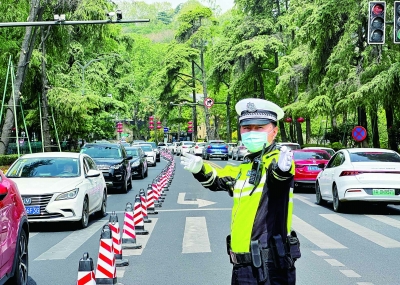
[150, 154]
[360, 174]
[60, 186]
[197, 148]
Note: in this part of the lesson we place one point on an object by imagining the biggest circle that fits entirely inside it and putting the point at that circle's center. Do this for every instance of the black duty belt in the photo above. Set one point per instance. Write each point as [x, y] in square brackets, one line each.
[245, 258]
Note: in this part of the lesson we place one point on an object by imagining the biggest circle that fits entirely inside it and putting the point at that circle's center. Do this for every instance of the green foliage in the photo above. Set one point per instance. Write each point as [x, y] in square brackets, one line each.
[8, 159]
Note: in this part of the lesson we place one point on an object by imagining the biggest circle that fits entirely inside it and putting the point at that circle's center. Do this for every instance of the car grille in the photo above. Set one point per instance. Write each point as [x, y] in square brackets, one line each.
[42, 201]
[103, 167]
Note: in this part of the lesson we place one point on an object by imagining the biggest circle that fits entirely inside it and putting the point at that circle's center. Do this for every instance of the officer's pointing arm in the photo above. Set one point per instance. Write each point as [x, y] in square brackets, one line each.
[210, 177]
[283, 170]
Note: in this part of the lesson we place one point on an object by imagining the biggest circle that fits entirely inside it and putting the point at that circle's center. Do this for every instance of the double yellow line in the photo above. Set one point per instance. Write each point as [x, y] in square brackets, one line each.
[213, 164]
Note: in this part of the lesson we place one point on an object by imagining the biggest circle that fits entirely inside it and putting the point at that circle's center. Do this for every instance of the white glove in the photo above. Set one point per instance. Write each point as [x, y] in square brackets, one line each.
[285, 159]
[191, 162]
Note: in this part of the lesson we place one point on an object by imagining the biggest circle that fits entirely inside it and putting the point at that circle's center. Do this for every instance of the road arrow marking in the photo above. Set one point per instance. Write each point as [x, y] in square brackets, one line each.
[200, 202]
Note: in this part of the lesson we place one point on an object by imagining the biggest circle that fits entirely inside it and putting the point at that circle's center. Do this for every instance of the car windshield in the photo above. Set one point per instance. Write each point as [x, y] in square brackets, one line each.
[299, 155]
[374, 156]
[45, 167]
[132, 151]
[146, 148]
[98, 151]
[153, 144]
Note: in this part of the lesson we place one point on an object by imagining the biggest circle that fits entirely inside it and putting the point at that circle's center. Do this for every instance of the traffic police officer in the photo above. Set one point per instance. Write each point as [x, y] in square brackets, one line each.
[261, 245]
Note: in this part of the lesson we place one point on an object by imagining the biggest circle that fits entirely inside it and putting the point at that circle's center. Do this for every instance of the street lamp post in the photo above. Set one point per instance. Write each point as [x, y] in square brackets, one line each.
[83, 67]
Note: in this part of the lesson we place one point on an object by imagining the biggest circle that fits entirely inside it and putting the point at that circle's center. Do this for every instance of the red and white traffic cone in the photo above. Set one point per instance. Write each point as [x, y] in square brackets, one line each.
[86, 271]
[143, 202]
[128, 232]
[150, 201]
[156, 195]
[106, 272]
[138, 218]
[116, 239]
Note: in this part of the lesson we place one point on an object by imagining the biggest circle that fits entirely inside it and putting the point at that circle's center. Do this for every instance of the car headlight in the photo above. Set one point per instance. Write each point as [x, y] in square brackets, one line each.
[116, 166]
[136, 163]
[68, 195]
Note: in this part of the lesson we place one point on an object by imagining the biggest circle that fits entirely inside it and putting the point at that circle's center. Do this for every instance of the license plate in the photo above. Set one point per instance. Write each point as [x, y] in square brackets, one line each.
[32, 210]
[217, 151]
[313, 168]
[383, 192]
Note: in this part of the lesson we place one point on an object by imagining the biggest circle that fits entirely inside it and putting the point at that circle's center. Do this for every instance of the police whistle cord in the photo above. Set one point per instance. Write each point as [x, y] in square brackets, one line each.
[143, 202]
[255, 176]
[116, 239]
[128, 233]
[86, 274]
[138, 218]
[106, 271]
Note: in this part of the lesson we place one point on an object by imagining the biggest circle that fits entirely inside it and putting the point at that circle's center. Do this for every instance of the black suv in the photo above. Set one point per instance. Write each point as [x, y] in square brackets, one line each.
[113, 161]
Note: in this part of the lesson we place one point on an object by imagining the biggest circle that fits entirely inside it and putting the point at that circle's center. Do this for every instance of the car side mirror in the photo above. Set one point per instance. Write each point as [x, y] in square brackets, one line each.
[129, 157]
[3, 192]
[321, 165]
[92, 173]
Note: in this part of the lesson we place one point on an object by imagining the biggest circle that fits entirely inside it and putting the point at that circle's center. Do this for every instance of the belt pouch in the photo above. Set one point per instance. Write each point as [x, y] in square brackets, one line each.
[294, 246]
[278, 252]
[228, 248]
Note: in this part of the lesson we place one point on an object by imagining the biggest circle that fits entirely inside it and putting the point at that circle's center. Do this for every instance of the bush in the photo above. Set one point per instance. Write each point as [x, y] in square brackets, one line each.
[8, 159]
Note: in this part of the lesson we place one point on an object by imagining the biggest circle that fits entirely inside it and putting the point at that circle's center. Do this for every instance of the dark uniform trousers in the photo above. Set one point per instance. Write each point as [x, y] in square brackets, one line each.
[248, 275]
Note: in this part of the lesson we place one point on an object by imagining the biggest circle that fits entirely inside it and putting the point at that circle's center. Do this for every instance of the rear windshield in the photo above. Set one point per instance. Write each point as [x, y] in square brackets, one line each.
[374, 156]
[188, 143]
[146, 148]
[132, 151]
[310, 155]
[217, 143]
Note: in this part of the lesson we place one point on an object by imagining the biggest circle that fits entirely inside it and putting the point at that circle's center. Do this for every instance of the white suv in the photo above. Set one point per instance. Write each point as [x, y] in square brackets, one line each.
[184, 147]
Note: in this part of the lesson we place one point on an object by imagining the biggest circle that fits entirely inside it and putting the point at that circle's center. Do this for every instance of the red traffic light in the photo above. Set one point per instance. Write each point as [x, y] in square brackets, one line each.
[376, 22]
[378, 9]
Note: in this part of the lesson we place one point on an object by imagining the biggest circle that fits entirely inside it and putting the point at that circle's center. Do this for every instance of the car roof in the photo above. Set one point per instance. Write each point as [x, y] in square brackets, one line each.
[287, 143]
[309, 150]
[354, 150]
[52, 154]
[133, 146]
[317, 147]
[102, 144]
[216, 141]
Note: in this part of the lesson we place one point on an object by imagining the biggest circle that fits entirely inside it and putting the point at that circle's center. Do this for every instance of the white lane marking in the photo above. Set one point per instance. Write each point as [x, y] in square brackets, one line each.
[350, 273]
[141, 239]
[120, 272]
[304, 197]
[315, 236]
[333, 262]
[199, 202]
[32, 235]
[71, 243]
[195, 237]
[305, 201]
[365, 283]
[319, 253]
[362, 231]
[387, 220]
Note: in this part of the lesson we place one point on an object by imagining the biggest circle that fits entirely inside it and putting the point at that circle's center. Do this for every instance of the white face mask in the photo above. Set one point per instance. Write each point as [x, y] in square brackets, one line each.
[254, 141]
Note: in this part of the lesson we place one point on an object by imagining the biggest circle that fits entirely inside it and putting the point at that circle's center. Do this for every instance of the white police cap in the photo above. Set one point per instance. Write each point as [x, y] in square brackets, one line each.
[253, 111]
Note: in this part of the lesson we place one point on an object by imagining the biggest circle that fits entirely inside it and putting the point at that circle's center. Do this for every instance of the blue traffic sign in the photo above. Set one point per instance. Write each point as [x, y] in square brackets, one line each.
[359, 133]
[166, 129]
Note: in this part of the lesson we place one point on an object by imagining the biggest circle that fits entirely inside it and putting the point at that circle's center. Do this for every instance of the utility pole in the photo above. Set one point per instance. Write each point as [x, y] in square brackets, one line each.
[194, 104]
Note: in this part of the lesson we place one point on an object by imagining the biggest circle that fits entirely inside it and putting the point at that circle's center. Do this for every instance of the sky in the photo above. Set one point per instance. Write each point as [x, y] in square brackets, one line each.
[224, 4]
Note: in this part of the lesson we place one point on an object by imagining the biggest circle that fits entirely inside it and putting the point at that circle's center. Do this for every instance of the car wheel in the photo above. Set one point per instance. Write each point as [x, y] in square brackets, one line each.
[233, 156]
[338, 206]
[84, 222]
[318, 196]
[146, 173]
[103, 211]
[20, 276]
[142, 174]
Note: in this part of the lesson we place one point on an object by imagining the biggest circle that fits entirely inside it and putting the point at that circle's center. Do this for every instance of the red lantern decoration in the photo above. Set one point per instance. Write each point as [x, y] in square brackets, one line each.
[158, 126]
[151, 127]
[151, 118]
[190, 127]
[300, 120]
[288, 120]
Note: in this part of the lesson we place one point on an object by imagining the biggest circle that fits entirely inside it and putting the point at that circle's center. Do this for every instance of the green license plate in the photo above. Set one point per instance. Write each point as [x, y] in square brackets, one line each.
[383, 192]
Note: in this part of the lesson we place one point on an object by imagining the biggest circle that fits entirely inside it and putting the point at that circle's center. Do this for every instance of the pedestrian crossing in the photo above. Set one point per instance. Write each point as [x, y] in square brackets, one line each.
[196, 237]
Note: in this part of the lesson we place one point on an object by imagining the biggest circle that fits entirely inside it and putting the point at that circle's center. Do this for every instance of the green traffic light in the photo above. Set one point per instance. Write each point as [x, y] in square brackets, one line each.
[398, 35]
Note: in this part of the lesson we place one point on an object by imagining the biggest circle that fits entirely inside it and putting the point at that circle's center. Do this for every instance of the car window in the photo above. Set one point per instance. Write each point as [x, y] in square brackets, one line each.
[310, 155]
[132, 152]
[217, 143]
[102, 151]
[337, 160]
[45, 167]
[374, 156]
[146, 148]
[92, 165]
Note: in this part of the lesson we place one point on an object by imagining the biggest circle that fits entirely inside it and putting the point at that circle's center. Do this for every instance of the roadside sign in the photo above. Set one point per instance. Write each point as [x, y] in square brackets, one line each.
[166, 129]
[359, 133]
[208, 102]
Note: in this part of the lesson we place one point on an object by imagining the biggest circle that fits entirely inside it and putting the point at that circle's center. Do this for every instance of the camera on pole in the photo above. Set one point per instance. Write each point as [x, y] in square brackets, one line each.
[376, 22]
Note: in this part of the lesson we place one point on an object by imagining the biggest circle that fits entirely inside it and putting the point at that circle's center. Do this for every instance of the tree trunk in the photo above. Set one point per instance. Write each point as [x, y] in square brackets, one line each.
[282, 131]
[374, 126]
[24, 57]
[299, 132]
[308, 130]
[291, 132]
[45, 106]
[392, 143]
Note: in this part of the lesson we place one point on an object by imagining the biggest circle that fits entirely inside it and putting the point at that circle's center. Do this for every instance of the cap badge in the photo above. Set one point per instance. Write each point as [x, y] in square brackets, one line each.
[251, 107]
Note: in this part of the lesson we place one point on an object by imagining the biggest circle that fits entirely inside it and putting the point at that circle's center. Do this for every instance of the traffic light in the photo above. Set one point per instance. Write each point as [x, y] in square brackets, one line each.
[396, 22]
[119, 127]
[376, 22]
